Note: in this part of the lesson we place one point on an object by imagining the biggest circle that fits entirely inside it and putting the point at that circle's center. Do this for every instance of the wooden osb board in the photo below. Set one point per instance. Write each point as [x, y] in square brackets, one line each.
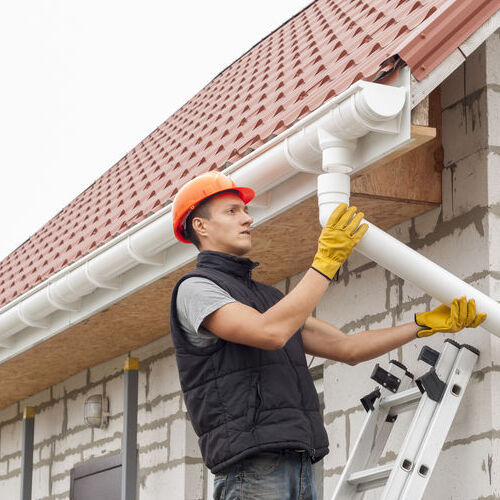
[284, 246]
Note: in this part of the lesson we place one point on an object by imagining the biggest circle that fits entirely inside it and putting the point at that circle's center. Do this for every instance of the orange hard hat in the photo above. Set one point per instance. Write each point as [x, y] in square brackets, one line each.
[199, 189]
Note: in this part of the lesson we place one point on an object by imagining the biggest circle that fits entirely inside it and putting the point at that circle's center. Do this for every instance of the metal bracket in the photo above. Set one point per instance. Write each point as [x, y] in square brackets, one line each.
[368, 400]
[431, 384]
[385, 379]
[428, 355]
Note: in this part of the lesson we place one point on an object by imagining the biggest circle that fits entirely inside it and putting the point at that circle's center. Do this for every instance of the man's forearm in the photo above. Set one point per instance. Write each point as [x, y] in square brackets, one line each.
[373, 343]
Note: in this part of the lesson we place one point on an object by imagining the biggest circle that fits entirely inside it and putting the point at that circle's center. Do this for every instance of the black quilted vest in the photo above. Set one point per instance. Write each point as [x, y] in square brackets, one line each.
[240, 399]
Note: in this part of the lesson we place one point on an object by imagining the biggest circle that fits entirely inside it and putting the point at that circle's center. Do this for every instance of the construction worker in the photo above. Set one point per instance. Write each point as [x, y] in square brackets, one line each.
[240, 344]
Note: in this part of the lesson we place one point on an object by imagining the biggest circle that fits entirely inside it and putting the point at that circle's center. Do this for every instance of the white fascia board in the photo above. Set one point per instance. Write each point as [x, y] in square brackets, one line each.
[420, 90]
[149, 251]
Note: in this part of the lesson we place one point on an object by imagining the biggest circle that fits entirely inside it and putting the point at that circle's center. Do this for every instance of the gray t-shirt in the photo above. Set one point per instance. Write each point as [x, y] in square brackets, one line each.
[197, 298]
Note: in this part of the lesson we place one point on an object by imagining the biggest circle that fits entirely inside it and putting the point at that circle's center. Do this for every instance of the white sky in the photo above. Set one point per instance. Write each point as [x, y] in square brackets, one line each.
[83, 82]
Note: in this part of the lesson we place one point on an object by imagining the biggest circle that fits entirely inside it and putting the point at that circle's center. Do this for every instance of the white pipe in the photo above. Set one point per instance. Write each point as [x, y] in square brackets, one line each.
[402, 260]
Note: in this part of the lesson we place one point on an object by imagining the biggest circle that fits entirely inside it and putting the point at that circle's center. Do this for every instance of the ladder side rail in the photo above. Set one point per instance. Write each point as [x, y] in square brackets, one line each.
[405, 460]
[440, 424]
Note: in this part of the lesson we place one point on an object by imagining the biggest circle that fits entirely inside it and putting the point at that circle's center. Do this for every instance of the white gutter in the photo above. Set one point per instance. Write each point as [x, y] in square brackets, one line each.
[354, 129]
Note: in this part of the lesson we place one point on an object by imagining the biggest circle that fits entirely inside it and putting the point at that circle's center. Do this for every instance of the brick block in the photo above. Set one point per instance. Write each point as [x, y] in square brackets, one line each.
[343, 306]
[493, 160]
[475, 70]
[402, 231]
[41, 482]
[493, 117]
[168, 483]
[73, 441]
[61, 487]
[492, 58]
[10, 438]
[344, 385]
[107, 369]
[462, 472]
[15, 464]
[453, 89]
[194, 481]
[9, 413]
[153, 348]
[10, 487]
[465, 127]
[472, 257]
[73, 383]
[114, 390]
[151, 435]
[426, 223]
[108, 448]
[160, 410]
[64, 464]
[177, 444]
[153, 457]
[45, 452]
[37, 399]
[113, 429]
[474, 414]
[337, 436]
[470, 183]
[48, 422]
[164, 378]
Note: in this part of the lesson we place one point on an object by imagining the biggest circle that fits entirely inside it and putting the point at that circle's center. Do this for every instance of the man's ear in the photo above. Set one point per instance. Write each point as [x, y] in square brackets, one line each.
[199, 226]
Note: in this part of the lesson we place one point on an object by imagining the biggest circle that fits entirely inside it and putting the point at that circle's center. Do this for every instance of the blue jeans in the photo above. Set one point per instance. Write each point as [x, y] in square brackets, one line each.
[285, 475]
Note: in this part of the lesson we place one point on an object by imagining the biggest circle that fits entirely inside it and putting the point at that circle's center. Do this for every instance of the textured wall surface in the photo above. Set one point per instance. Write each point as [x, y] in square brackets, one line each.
[463, 235]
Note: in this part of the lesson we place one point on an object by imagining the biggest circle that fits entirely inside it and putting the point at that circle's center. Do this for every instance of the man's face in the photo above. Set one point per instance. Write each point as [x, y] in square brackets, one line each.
[228, 228]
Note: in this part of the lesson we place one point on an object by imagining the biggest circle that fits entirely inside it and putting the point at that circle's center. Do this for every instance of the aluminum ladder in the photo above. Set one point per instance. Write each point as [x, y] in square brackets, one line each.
[436, 395]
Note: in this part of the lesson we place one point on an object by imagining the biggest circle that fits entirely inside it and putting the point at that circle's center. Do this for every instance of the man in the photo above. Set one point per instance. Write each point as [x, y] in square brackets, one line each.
[240, 344]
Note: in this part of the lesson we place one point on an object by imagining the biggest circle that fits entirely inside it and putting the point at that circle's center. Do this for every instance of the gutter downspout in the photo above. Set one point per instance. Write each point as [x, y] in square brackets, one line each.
[352, 130]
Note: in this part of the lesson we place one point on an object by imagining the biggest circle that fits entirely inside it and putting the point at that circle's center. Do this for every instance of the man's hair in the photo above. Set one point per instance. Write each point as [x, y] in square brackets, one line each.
[201, 210]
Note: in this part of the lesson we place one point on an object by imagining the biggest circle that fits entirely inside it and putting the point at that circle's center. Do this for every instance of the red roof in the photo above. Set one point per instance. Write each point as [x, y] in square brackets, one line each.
[315, 55]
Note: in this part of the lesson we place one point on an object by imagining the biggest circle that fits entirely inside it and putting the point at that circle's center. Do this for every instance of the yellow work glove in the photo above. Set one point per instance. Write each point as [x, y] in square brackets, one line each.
[461, 314]
[337, 239]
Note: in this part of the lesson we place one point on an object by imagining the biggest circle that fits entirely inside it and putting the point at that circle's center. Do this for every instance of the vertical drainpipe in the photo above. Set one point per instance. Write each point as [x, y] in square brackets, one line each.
[27, 452]
[129, 440]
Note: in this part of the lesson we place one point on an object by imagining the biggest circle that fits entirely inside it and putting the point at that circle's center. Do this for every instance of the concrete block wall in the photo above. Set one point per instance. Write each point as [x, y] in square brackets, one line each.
[170, 463]
[462, 235]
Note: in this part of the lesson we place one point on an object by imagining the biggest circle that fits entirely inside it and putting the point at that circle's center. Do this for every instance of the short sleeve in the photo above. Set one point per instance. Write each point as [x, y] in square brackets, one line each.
[198, 297]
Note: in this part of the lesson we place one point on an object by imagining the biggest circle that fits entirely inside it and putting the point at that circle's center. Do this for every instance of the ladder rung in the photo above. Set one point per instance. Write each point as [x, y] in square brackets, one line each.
[403, 398]
[379, 473]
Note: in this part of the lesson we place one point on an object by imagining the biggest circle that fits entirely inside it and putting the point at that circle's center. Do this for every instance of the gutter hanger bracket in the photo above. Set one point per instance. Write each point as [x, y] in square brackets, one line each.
[158, 260]
[30, 321]
[60, 304]
[99, 283]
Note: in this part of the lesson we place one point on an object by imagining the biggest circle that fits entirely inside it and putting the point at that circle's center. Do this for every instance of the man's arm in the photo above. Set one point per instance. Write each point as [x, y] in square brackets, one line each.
[322, 339]
[239, 323]
[327, 341]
